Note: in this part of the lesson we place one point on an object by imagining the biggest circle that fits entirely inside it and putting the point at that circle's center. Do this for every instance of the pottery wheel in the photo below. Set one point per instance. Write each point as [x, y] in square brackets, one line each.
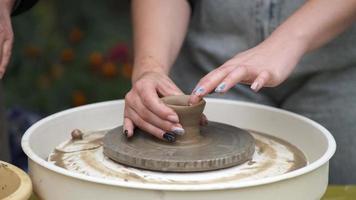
[220, 146]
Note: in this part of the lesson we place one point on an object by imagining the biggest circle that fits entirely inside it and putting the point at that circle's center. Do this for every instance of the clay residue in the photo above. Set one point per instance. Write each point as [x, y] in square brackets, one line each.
[299, 160]
[272, 157]
[88, 141]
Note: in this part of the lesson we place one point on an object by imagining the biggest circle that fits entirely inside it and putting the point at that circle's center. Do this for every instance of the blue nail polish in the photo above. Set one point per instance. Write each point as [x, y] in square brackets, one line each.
[169, 137]
[220, 87]
[199, 91]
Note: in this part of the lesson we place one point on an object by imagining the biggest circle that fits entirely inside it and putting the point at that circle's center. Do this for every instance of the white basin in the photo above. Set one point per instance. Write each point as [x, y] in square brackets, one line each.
[310, 182]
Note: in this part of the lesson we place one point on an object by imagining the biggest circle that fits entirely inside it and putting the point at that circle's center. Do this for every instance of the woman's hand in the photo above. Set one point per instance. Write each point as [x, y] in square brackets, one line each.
[159, 29]
[144, 109]
[272, 61]
[267, 64]
[6, 34]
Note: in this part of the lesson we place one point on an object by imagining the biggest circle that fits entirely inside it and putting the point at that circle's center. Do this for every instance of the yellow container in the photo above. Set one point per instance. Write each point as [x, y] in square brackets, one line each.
[15, 184]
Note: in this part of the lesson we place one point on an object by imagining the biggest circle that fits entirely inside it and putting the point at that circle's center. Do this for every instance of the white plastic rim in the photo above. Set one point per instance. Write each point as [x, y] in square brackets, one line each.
[331, 147]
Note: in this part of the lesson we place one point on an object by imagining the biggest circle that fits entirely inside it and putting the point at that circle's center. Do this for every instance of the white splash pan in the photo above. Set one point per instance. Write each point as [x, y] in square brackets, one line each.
[52, 182]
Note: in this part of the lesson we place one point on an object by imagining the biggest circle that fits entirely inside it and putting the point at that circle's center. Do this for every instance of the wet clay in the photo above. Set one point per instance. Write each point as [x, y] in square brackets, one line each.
[272, 157]
[201, 148]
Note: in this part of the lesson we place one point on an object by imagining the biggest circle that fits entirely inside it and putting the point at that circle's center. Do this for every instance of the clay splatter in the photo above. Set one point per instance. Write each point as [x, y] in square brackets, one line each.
[272, 157]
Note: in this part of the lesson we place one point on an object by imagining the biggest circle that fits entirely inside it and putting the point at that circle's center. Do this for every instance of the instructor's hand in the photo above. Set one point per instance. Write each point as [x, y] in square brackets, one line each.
[267, 64]
[144, 109]
[6, 34]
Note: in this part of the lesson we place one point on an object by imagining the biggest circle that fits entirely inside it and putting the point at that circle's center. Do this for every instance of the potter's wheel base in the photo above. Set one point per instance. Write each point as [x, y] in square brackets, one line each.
[221, 146]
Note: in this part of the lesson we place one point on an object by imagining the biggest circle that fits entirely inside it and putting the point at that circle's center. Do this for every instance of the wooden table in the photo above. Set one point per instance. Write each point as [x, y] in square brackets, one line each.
[340, 192]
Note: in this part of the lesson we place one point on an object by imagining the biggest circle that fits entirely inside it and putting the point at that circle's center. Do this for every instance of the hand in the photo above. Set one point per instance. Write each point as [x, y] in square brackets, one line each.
[144, 109]
[267, 64]
[6, 34]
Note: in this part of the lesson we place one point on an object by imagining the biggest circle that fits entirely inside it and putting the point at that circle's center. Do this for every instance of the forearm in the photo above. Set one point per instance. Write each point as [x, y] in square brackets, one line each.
[7, 5]
[159, 29]
[316, 23]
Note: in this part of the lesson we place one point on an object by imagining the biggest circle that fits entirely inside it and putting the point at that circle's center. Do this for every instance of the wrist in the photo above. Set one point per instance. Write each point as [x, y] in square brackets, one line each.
[7, 5]
[293, 42]
[147, 64]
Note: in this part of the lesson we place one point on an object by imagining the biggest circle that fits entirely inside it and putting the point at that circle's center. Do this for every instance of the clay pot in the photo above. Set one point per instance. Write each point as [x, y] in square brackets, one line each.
[14, 183]
[189, 116]
[194, 151]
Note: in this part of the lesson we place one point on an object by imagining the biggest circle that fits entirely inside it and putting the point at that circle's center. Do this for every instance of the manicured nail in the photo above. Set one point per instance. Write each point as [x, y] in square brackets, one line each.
[126, 133]
[178, 130]
[203, 120]
[173, 118]
[199, 91]
[220, 88]
[169, 137]
[255, 86]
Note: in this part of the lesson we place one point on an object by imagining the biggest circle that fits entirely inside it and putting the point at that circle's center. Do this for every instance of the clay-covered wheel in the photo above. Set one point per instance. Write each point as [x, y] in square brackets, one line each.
[220, 146]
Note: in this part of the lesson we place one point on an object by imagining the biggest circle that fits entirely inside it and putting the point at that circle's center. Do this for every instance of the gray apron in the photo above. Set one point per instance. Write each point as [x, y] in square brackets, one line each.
[322, 87]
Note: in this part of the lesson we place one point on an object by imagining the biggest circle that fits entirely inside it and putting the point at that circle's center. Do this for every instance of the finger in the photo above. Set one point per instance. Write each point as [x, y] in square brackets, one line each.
[194, 99]
[149, 128]
[128, 127]
[234, 77]
[203, 120]
[169, 89]
[137, 105]
[2, 69]
[151, 100]
[260, 81]
[209, 82]
[5, 57]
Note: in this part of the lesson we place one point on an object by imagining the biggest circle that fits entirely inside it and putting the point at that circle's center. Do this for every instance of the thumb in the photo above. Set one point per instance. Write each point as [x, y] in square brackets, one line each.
[169, 89]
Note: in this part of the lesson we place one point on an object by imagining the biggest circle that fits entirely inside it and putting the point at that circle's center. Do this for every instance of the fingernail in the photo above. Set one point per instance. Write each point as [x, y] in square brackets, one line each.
[255, 86]
[204, 122]
[199, 91]
[220, 88]
[126, 133]
[173, 118]
[169, 137]
[178, 130]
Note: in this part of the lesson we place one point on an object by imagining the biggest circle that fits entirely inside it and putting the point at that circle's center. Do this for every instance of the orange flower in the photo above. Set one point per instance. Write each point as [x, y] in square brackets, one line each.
[75, 35]
[43, 81]
[95, 60]
[109, 70]
[57, 71]
[78, 98]
[32, 51]
[127, 70]
[67, 55]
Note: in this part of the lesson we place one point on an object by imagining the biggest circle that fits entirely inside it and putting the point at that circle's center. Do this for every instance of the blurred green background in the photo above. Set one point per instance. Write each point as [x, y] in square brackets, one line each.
[69, 53]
